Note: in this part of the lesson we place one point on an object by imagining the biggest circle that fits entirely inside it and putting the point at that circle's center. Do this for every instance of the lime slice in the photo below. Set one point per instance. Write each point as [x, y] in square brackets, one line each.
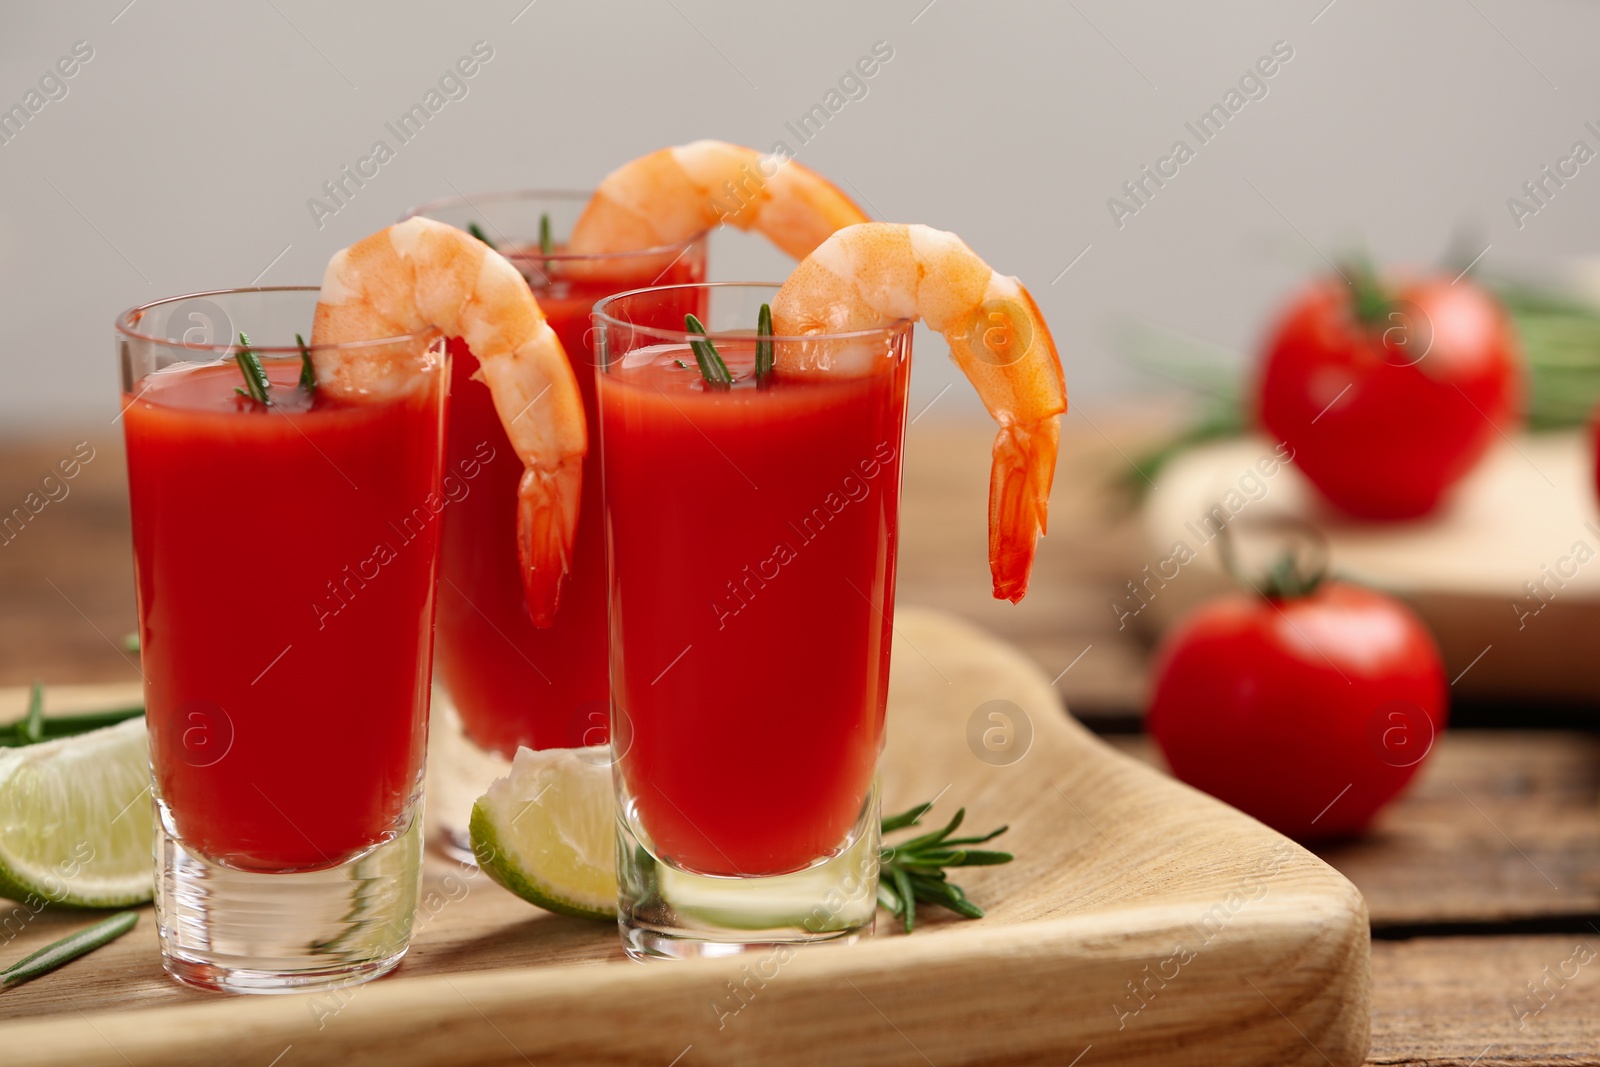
[75, 825]
[547, 832]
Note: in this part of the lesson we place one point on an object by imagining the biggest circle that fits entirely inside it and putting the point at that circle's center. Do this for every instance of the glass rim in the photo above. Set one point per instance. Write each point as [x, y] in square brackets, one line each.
[503, 195]
[127, 320]
[602, 317]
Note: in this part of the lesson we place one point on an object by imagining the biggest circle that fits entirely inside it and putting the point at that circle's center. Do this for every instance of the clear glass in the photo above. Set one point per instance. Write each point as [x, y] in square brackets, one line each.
[503, 682]
[285, 562]
[751, 533]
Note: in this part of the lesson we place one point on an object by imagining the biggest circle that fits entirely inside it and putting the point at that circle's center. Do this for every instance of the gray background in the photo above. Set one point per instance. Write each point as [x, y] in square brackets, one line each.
[184, 153]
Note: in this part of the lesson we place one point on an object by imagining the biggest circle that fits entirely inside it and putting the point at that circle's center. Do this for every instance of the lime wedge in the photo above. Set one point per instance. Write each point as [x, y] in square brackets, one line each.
[547, 832]
[75, 825]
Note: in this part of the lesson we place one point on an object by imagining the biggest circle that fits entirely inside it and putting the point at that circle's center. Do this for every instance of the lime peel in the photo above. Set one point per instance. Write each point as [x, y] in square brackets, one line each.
[547, 831]
[71, 829]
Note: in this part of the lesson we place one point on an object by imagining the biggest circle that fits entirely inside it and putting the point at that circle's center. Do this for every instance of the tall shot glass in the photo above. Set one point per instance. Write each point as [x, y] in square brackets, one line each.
[504, 682]
[751, 533]
[285, 563]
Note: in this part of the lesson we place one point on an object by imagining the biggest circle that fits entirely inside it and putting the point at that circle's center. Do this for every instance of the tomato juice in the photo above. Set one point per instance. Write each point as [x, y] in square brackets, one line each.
[285, 561]
[752, 533]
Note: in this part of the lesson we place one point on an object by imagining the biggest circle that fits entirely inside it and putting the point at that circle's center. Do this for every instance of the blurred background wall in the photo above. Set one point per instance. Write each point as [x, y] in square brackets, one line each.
[187, 146]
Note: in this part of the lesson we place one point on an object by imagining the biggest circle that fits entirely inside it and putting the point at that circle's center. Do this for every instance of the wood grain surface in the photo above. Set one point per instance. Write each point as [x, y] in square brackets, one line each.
[1141, 919]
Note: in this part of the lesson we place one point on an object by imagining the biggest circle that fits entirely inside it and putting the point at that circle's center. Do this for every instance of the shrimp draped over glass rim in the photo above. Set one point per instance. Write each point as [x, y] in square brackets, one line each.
[871, 275]
[419, 275]
[673, 194]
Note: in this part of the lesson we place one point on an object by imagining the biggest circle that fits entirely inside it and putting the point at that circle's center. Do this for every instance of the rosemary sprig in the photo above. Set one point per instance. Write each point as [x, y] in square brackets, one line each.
[255, 375]
[712, 369]
[912, 871]
[764, 343]
[36, 727]
[308, 373]
[68, 949]
[477, 231]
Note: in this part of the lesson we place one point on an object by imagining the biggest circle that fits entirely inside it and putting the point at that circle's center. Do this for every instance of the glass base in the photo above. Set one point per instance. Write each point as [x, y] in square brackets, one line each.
[664, 912]
[459, 772]
[245, 932]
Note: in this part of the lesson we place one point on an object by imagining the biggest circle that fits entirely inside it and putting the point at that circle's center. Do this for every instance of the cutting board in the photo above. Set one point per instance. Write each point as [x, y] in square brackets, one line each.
[1526, 514]
[1142, 923]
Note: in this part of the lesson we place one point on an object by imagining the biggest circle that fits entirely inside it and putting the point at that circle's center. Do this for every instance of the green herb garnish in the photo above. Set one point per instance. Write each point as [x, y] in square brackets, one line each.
[546, 244]
[712, 369]
[680, 363]
[31, 728]
[255, 375]
[912, 872]
[477, 231]
[68, 949]
[36, 727]
[764, 347]
[308, 373]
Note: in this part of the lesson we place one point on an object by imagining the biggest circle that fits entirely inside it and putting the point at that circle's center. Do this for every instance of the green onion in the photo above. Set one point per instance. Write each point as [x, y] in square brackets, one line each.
[255, 375]
[712, 369]
[764, 347]
[68, 949]
[477, 231]
[308, 373]
[546, 245]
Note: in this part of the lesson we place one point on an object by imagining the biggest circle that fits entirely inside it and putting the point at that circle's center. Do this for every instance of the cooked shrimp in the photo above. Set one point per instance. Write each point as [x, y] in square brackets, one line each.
[672, 194]
[420, 275]
[872, 275]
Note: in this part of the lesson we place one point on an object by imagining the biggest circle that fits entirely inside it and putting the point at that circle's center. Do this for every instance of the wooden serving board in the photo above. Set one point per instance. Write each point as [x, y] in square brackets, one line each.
[1142, 923]
[1520, 517]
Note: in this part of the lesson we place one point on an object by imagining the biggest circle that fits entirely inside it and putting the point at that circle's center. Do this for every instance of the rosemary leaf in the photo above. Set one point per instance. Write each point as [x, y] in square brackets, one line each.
[935, 837]
[32, 727]
[308, 373]
[477, 231]
[764, 343]
[255, 375]
[905, 818]
[68, 948]
[712, 369]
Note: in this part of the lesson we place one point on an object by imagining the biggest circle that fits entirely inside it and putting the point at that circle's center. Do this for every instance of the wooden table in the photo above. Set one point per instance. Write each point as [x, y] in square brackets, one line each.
[1483, 882]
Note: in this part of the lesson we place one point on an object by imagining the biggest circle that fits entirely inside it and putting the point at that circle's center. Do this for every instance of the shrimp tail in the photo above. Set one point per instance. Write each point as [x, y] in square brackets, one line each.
[1020, 476]
[547, 519]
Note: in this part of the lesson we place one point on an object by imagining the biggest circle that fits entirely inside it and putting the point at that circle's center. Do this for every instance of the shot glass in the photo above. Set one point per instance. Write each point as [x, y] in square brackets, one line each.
[286, 556]
[503, 682]
[751, 532]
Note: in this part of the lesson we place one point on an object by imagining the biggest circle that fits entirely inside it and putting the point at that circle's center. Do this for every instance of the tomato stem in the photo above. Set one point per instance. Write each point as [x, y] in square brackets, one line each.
[1369, 299]
[1300, 568]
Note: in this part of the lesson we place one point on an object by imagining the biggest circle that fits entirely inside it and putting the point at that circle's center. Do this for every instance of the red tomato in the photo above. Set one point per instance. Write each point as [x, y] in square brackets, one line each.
[1309, 713]
[1385, 415]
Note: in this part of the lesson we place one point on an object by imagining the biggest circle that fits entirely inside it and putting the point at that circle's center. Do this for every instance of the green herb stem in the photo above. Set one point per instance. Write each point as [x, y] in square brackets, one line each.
[32, 727]
[68, 948]
[764, 344]
[477, 231]
[255, 375]
[547, 245]
[913, 871]
[308, 373]
[36, 728]
[712, 369]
